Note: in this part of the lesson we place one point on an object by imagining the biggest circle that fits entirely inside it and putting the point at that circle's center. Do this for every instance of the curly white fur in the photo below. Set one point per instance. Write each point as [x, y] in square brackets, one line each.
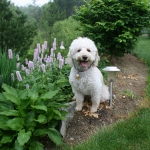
[85, 78]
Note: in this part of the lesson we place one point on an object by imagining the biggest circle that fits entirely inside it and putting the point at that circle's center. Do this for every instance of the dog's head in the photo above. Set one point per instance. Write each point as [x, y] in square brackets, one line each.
[83, 53]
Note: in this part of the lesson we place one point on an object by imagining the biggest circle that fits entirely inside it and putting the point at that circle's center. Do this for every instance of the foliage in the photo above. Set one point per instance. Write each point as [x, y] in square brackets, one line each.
[7, 66]
[66, 31]
[16, 32]
[45, 72]
[68, 6]
[26, 115]
[114, 24]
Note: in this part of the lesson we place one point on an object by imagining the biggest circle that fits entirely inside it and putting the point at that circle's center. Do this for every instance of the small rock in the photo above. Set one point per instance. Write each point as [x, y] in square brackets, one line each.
[71, 139]
[123, 97]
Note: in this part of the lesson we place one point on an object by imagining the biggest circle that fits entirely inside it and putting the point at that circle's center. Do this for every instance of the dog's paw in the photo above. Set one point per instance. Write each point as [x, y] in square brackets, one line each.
[78, 108]
[93, 109]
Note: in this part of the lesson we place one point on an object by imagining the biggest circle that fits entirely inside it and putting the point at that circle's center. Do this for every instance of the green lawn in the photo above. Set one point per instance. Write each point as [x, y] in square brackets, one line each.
[142, 49]
[131, 134]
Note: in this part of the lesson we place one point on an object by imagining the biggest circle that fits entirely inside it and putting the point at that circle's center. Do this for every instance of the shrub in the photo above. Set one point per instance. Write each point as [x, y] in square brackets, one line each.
[114, 25]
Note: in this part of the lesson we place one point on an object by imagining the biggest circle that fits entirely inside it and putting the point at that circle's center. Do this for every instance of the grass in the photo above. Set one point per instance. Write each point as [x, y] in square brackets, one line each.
[131, 134]
[143, 49]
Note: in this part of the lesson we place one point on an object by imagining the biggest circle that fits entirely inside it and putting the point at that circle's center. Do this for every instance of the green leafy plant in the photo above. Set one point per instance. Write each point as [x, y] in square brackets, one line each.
[45, 73]
[7, 66]
[25, 116]
[114, 25]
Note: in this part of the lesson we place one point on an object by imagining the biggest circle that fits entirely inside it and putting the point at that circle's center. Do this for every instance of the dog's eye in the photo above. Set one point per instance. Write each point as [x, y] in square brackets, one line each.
[78, 50]
[88, 50]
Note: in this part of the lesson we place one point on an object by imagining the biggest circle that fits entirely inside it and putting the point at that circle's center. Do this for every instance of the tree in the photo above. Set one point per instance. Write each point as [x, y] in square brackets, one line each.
[65, 31]
[114, 25]
[15, 32]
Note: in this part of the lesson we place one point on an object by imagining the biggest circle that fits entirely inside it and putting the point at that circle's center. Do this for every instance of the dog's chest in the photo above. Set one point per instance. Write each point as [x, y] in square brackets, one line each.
[83, 83]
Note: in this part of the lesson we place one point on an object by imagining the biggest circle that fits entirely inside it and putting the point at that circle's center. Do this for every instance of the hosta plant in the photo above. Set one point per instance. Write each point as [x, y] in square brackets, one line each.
[26, 116]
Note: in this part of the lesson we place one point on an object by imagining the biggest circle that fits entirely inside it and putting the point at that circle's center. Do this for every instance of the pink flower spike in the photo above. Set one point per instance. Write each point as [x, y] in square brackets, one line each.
[10, 55]
[26, 60]
[43, 49]
[23, 67]
[45, 44]
[27, 72]
[60, 63]
[39, 48]
[18, 76]
[43, 68]
[18, 65]
[54, 44]
[31, 65]
[36, 54]
[59, 56]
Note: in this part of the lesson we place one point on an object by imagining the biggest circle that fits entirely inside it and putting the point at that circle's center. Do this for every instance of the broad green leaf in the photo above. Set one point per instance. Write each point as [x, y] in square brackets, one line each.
[6, 139]
[23, 137]
[9, 90]
[63, 112]
[23, 94]
[40, 132]
[50, 114]
[15, 124]
[41, 119]
[49, 95]
[30, 117]
[36, 146]
[39, 107]
[12, 98]
[57, 117]
[34, 95]
[56, 112]
[55, 136]
[3, 120]
[17, 146]
[10, 113]
[2, 97]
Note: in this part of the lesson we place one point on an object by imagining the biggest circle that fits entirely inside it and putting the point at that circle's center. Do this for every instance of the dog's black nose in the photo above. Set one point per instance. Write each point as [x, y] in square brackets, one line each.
[84, 57]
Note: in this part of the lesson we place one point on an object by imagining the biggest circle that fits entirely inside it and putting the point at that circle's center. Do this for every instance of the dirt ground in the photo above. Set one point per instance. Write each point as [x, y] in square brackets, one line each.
[128, 90]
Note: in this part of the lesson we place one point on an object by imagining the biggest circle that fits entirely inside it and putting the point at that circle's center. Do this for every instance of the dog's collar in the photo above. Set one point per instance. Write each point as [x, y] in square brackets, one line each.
[80, 70]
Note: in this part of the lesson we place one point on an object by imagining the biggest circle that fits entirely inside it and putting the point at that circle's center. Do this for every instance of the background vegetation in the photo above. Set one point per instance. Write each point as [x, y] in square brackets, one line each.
[31, 105]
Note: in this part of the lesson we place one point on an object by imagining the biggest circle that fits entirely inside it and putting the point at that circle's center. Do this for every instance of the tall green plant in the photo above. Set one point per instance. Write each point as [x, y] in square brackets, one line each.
[114, 25]
[7, 66]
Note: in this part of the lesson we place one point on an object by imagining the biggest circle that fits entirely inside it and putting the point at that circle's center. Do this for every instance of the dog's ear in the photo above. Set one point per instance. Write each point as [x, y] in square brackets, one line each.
[69, 59]
[97, 59]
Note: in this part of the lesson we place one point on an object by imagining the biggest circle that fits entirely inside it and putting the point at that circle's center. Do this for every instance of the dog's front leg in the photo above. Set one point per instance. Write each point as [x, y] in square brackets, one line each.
[95, 103]
[79, 101]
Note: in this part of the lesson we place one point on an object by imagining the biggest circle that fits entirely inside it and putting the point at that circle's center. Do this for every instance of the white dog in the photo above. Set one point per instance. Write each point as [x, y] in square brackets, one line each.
[85, 78]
